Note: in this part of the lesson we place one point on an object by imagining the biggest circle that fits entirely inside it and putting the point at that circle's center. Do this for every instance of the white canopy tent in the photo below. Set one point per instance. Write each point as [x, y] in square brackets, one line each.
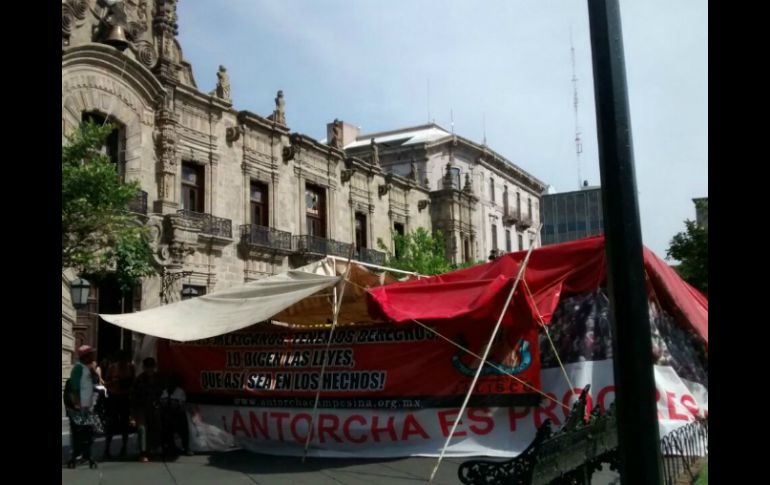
[231, 309]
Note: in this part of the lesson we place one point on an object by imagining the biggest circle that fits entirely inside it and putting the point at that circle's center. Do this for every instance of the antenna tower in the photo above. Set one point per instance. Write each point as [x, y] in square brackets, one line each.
[578, 141]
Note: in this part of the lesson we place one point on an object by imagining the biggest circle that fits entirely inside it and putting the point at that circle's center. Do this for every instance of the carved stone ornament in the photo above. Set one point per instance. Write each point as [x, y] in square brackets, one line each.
[289, 153]
[423, 204]
[79, 8]
[383, 189]
[336, 140]
[233, 133]
[468, 189]
[146, 53]
[67, 19]
[223, 84]
[279, 115]
[375, 153]
[347, 174]
[160, 251]
[180, 250]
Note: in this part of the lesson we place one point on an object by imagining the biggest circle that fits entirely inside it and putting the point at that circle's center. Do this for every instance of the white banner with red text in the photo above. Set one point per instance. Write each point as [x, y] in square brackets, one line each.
[380, 433]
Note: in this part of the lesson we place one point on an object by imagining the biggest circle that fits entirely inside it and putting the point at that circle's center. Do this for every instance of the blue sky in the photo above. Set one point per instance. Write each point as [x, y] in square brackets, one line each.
[503, 64]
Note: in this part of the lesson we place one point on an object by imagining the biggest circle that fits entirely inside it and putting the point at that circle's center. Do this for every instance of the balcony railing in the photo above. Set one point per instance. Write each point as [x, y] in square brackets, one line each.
[366, 255]
[139, 203]
[319, 245]
[265, 237]
[511, 217]
[211, 225]
[524, 222]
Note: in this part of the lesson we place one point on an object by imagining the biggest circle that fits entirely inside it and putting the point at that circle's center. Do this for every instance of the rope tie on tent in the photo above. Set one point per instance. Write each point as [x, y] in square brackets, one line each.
[547, 334]
[493, 365]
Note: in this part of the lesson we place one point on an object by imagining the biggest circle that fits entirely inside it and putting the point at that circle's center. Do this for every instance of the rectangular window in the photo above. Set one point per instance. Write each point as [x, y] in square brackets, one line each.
[508, 240]
[494, 236]
[505, 200]
[315, 210]
[492, 189]
[192, 187]
[398, 228]
[529, 208]
[455, 177]
[521, 242]
[259, 204]
[518, 205]
[360, 220]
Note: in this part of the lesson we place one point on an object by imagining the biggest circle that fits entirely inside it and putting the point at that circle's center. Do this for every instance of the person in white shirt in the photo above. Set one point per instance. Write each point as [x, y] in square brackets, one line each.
[174, 413]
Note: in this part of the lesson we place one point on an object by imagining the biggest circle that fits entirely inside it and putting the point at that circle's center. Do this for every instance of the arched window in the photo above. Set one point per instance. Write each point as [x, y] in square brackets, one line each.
[114, 146]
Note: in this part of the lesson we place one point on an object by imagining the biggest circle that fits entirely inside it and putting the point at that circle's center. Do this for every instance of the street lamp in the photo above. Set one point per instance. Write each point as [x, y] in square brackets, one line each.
[79, 291]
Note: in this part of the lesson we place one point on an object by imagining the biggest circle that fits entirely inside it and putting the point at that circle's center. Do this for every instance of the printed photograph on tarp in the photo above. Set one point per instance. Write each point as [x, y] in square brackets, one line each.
[581, 331]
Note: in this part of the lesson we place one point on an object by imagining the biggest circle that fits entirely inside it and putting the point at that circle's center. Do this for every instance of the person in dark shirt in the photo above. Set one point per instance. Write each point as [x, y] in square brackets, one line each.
[174, 414]
[120, 379]
[145, 408]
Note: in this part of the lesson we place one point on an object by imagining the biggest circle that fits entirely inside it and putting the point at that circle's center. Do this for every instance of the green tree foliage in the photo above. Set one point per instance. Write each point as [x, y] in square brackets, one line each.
[99, 235]
[419, 251]
[691, 248]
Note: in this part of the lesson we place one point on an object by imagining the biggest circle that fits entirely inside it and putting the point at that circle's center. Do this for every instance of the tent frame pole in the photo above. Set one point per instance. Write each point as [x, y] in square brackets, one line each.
[337, 306]
[375, 266]
[483, 361]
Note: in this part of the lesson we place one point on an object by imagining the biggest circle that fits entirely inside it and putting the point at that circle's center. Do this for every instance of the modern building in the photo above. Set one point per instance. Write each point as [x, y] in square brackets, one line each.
[568, 216]
[702, 211]
[231, 196]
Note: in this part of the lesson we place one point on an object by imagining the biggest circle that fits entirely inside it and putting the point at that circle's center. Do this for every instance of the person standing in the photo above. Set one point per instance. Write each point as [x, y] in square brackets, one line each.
[81, 394]
[120, 379]
[174, 414]
[145, 408]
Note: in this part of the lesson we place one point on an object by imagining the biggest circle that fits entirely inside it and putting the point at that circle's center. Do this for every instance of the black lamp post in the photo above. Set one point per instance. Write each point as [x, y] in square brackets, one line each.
[79, 290]
[639, 444]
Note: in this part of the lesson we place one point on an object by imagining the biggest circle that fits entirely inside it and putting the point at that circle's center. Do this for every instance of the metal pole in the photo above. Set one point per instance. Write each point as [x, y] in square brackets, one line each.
[639, 443]
[491, 341]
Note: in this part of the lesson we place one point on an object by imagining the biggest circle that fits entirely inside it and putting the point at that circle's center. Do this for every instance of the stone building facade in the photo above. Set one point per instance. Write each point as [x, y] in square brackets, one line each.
[231, 196]
[480, 201]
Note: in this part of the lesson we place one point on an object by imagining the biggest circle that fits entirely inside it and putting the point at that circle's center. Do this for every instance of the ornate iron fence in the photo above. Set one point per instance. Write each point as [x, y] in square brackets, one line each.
[211, 225]
[265, 237]
[320, 245]
[373, 256]
[682, 449]
[572, 454]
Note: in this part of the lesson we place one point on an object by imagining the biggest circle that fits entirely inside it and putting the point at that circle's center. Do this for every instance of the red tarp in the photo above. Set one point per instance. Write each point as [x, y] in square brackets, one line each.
[478, 293]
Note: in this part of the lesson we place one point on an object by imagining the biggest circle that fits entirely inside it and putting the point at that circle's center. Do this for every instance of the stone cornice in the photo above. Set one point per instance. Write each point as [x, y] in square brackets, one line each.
[253, 120]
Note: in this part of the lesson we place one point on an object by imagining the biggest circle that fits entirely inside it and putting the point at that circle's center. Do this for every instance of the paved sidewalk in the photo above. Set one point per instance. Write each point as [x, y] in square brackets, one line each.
[243, 467]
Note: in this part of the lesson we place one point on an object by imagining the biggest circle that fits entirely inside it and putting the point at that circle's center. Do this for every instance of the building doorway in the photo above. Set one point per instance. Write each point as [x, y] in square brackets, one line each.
[105, 297]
